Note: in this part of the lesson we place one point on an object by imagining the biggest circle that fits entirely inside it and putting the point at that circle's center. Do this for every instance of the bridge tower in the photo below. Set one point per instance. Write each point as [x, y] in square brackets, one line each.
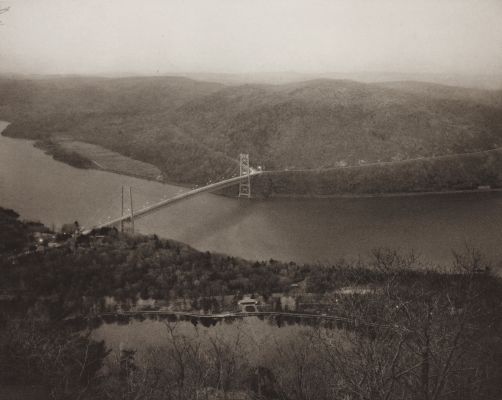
[244, 184]
[131, 219]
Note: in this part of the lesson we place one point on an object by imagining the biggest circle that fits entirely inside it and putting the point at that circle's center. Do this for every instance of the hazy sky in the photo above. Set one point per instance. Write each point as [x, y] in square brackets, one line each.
[162, 36]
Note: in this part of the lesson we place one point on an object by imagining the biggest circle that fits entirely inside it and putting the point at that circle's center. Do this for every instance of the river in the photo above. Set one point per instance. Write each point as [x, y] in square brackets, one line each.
[303, 230]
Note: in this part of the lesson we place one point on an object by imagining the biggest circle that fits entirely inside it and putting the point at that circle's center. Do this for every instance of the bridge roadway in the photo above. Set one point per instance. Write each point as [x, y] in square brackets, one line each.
[165, 203]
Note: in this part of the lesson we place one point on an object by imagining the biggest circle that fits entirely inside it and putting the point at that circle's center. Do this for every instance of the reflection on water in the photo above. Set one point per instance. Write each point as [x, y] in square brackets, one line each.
[42, 189]
[254, 335]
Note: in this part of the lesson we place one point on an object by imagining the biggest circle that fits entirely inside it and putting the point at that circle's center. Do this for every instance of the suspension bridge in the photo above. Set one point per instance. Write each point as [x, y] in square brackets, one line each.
[244, 181]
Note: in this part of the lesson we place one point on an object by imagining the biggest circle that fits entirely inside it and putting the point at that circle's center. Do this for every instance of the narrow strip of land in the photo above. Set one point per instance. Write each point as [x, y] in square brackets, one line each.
[244, 315]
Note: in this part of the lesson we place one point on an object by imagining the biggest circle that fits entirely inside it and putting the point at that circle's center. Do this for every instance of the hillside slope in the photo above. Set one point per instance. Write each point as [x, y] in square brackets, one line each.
[323, 123]
[193, 131]
[131, 116]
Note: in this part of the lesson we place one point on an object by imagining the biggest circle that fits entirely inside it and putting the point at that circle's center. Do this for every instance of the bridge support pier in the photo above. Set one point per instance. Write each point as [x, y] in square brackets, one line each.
[122, 212]
[127, 223]
[244, 170]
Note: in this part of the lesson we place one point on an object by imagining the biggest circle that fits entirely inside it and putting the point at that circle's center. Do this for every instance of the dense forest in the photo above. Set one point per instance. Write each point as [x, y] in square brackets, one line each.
[193, 131]
[417, 333]
[462, 172]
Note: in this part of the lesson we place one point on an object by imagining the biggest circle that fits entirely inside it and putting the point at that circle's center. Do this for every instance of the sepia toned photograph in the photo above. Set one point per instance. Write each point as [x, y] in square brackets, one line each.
[251, 200]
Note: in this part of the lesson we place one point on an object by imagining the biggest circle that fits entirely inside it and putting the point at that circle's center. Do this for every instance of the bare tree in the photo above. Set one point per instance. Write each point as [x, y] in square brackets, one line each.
[299, 369]
[420, 336]
[227, 360]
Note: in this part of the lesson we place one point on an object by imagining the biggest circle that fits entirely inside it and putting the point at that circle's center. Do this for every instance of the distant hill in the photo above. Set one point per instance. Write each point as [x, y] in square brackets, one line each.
[477, 81]
[447, 92]
[193, 131]
[323, 123]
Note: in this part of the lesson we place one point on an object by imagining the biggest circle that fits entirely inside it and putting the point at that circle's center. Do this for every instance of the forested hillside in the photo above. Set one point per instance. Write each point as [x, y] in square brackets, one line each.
[414, 331]
[193, 131]
[318, 124]
[132, 116]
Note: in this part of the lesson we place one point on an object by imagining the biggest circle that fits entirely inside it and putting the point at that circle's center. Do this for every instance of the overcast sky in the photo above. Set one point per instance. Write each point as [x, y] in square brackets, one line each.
[162, 36]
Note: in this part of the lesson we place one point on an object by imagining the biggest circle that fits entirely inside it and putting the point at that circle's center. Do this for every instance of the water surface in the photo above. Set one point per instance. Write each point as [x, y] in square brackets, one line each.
[253, 334]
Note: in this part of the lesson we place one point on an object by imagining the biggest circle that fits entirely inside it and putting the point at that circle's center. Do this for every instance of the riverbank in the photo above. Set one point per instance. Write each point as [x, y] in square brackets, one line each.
[90, 156]
[384, 195]
[448, 174]
[87, 155]
[464, 173]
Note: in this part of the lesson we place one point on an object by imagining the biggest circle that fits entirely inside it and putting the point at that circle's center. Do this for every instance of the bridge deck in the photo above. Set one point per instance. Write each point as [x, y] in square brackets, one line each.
[165, 203]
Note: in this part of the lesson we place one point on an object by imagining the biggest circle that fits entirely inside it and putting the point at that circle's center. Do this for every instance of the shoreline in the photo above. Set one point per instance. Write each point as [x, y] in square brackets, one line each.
[379, 195]
[98, 167]
[39, 144]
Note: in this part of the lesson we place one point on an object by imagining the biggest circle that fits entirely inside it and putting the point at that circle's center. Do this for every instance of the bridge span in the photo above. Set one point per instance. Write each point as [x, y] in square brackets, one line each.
[173, 200]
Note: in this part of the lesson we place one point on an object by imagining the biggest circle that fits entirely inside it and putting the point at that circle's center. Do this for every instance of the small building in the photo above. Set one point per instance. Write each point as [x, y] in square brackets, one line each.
[42, 238]
[248, 305]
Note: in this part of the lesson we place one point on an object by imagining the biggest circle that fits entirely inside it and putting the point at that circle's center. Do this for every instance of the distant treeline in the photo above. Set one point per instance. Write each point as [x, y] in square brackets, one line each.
[461, 172]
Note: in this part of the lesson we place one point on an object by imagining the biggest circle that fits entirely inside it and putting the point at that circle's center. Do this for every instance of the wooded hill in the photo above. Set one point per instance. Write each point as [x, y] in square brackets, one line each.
[193, 131]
